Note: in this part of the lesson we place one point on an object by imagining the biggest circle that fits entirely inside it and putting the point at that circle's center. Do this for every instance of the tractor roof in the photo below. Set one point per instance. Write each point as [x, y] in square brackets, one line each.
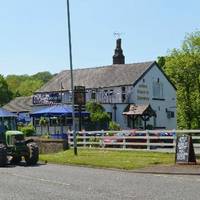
[14, 133]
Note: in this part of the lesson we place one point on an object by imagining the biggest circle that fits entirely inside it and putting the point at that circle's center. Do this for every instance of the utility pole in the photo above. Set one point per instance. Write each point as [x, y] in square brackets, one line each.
[72, 82]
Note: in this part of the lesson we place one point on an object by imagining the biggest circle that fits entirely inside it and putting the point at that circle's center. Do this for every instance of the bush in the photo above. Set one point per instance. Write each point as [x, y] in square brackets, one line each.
[94, 139]
[110, 134]
[114, 126]
[28, 130]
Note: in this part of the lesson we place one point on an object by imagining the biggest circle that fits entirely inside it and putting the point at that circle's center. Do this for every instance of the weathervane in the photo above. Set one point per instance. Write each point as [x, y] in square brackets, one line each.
[117, 34]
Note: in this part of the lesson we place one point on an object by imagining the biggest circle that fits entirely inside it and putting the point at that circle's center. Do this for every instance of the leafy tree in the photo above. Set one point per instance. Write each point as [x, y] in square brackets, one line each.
[14, 82]
[93, 107]
[5, 93]
[24, 85]
[29, 86]
[161, 61]
[183, 67]
[43, 76]
[98, 116]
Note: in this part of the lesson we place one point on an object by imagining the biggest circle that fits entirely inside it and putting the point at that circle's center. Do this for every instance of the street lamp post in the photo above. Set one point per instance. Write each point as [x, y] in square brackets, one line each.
[72, 82]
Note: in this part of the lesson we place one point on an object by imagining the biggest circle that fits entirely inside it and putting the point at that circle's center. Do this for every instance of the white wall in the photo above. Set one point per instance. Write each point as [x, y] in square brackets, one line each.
[160, 106]
[120, 118]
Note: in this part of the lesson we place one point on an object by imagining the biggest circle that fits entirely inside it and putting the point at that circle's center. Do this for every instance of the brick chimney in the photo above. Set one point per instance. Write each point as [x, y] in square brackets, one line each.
[118, 57]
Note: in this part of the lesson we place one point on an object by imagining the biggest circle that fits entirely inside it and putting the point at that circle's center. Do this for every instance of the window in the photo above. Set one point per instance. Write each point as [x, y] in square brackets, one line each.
[69, 121]
[93, 95]
[36, 121]
[111, 96]
[158, 90]
[54, 121]
[111, 92]
[170, 114]
[123, 88]
[105, 96]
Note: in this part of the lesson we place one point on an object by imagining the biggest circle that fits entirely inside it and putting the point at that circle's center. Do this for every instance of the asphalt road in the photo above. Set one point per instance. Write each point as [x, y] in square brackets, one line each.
[54, 182]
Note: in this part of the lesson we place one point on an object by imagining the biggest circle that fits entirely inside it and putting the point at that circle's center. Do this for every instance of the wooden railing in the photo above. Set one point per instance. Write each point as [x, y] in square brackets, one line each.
[130, 139]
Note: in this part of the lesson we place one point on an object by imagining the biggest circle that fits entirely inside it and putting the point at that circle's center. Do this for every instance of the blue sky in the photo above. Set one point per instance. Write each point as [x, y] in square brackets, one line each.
[34, 32]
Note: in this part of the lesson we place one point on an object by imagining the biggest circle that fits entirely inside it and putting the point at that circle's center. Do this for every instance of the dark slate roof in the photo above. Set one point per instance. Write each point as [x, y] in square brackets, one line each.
[107, 76]
[20, 104]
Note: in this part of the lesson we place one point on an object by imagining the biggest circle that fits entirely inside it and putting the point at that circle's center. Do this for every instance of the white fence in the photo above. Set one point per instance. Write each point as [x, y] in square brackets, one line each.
[163, 140]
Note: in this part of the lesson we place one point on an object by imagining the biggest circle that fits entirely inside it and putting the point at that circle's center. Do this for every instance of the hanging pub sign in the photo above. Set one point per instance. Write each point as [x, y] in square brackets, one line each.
[79, 95]
[185, 150]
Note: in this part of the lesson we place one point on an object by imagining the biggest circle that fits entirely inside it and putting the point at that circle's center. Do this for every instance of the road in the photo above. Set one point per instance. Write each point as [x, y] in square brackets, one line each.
[54, 182]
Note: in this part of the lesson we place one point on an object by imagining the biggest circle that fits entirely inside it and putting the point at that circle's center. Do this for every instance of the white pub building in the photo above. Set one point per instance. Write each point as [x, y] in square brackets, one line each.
[137, 95]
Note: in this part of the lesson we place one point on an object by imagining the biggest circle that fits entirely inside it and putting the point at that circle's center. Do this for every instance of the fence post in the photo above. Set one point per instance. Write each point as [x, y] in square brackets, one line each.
[174, 141]
[69, 138]
[148, 140]
[84, 139]
[102, 139]
[124, 142]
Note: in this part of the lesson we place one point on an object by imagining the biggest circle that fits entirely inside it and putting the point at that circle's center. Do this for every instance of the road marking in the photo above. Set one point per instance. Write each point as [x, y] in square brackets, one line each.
[37, 179]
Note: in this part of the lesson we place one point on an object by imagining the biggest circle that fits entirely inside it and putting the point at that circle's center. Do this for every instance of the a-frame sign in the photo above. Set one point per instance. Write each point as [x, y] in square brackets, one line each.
[184, 150]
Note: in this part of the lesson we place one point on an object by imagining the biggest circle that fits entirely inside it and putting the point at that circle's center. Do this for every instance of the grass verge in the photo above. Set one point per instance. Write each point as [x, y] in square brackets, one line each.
[110, 159]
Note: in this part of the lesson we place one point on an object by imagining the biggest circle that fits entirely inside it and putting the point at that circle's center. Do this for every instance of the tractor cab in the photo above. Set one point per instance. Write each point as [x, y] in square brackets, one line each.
[14, 138]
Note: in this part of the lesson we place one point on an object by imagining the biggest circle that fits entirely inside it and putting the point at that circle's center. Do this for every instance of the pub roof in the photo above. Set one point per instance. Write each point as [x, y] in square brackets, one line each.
[99, 77]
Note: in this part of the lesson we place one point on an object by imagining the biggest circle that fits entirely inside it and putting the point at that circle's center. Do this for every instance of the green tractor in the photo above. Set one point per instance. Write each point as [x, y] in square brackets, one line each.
[13, 147]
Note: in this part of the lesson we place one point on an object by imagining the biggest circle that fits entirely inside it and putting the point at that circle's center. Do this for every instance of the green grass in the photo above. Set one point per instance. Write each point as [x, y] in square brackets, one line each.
[110, 159]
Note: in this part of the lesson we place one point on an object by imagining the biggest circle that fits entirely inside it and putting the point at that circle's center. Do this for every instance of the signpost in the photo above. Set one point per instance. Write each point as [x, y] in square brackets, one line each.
[185, 150]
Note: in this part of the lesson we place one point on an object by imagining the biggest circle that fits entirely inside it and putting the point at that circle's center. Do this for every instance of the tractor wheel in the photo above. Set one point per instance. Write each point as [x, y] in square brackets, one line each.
[33, 154]
[16, 159]
[3, 155]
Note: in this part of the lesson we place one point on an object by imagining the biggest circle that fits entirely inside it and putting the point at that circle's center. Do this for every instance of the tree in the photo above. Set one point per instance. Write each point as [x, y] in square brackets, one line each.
[93, 107]
[25, 85]
[5, 93]
[29, 86]
[161, 61]
[98, 116]
[43, 76]
[183, 67]
[14, 82]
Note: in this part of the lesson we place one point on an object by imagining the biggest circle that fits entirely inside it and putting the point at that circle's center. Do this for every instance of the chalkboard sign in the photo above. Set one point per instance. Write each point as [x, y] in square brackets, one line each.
[184, 150]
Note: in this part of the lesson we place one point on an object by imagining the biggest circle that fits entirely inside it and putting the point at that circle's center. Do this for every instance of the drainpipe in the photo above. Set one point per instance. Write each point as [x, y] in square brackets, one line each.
[114, 111]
